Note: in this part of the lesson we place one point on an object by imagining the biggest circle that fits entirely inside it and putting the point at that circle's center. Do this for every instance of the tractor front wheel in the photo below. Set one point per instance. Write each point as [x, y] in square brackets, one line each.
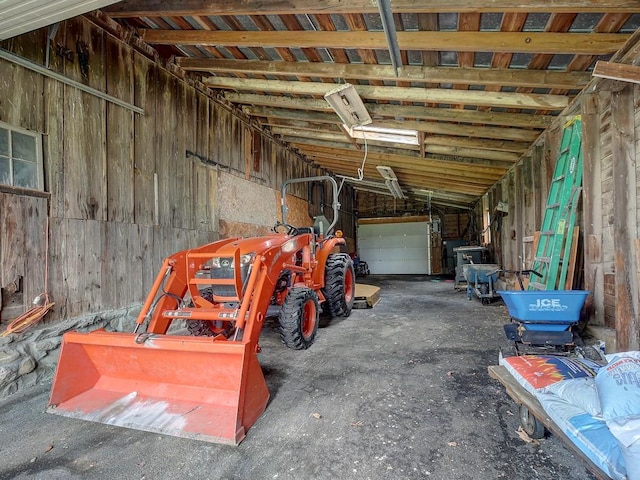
[339, 284]
[299, 318]
[206, 328]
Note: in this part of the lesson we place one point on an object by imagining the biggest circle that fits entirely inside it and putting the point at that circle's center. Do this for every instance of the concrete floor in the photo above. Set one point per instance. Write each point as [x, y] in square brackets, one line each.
[400, 391]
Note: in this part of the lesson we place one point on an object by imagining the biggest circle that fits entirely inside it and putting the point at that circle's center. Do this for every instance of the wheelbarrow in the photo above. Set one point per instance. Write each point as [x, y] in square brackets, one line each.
[481, 279]
[543, 321]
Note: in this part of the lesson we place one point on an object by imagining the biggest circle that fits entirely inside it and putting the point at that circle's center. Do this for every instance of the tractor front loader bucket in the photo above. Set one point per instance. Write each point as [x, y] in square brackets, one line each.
[191, 387]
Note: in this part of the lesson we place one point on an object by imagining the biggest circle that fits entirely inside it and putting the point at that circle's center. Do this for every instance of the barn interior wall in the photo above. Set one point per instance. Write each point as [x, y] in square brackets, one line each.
[609, 253]
[123, 190]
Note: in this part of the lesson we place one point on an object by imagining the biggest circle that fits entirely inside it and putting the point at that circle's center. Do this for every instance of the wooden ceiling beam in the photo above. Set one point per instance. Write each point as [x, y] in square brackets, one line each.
[427, 162]
[159, 8]
[253, 99]
[426, 181]
[479, 143]
[287, 107]
[617, 71]
[415, 191]
[434, 149]
[511, 42]
[433, 128]
[448, 140]
[434, 95]
[404, 169]
[290, 114]
[409, 73]
[310, 144]
[437, 149]
[438, 128]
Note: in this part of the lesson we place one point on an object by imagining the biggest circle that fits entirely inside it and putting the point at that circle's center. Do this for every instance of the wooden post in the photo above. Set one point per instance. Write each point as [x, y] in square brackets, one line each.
[592, 206]
[625, 226]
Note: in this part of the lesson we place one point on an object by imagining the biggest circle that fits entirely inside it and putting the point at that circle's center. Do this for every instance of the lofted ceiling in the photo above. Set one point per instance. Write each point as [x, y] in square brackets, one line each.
[479, 81]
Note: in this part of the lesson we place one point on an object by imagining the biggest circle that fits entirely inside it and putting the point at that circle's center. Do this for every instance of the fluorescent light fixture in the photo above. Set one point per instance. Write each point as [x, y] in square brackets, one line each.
[391, 181]
[387, 173]
[381, 134]
[348, 105]
[395, 189]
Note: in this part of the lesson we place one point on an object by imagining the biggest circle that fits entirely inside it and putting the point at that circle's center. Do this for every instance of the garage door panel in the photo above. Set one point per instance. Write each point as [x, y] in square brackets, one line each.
[392, 230]
[395, 248]
[409, 241]
[412, 254]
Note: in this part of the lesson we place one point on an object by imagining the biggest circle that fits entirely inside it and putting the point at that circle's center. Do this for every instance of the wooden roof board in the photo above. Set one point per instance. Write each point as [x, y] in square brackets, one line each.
[477, 77]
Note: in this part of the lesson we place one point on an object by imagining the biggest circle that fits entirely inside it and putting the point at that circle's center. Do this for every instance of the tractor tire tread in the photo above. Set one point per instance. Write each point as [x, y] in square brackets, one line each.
[334, 288]
[290, 320]
[199, 328]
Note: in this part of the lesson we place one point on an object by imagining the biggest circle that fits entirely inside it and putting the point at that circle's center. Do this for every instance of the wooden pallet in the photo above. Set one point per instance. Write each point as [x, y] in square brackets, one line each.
[523, 397]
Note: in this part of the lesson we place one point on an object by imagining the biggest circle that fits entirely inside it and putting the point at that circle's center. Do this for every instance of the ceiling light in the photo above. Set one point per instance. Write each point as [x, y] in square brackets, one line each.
[348, 105]
[391, 181]
[386, 172]
[395, 189]
[392, 135]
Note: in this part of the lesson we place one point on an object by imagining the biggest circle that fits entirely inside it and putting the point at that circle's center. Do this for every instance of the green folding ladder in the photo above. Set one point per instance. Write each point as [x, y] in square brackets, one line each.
[551, 259]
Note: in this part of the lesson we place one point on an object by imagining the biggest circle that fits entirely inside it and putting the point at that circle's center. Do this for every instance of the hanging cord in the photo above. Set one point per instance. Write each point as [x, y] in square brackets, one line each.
[41, 304]
[360, 170]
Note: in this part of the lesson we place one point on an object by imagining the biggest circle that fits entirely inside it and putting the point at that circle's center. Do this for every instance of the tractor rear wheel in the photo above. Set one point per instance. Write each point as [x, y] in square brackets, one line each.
[299, 318]
[339, 284]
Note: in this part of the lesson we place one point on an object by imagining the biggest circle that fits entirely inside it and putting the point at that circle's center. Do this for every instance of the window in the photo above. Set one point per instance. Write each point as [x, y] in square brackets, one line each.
[20, 158]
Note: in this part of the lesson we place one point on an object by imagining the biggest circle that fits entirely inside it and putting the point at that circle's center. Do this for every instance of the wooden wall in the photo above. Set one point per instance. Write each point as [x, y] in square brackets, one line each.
[609, 217]
[124, 190]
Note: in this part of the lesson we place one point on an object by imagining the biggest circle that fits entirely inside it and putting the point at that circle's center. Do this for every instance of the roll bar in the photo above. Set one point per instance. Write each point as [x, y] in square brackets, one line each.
[323, 178]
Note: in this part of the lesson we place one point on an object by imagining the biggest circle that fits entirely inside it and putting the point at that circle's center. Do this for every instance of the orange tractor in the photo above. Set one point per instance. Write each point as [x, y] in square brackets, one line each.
[208, 385]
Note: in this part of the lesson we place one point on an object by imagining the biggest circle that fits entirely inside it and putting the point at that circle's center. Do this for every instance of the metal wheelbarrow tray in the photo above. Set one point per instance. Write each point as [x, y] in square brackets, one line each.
[481, 279]
[543, 318]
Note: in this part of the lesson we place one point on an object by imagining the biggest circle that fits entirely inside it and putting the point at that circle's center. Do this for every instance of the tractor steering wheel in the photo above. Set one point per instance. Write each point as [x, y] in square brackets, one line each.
[291, 230]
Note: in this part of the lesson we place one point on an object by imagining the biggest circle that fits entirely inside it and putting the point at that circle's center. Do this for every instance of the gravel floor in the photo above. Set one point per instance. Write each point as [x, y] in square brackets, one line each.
[399, 391]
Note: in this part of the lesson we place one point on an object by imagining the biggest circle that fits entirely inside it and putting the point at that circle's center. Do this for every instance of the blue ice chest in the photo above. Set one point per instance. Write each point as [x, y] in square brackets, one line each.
[547, 310]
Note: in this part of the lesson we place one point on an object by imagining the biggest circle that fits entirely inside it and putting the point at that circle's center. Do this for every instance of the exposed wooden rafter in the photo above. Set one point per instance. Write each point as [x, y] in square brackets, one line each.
[617, 71]
[295, 108]
[435, 95]
[159, 8]
[472, 76]
[526, 42]
[479, 84]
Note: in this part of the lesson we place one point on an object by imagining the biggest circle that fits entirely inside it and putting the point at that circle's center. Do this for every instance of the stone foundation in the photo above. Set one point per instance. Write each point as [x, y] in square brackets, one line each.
[29, 358]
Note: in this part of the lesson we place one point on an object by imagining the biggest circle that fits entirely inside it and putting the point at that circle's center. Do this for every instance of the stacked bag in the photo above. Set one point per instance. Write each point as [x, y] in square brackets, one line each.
[601, 419]
[618, 386]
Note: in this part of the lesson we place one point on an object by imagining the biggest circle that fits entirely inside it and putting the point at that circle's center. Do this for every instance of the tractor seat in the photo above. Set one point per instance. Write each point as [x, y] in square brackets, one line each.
[321, 225]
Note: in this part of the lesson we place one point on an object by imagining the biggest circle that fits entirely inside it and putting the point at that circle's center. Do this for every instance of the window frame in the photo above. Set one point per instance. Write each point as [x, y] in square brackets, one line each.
[39, 157]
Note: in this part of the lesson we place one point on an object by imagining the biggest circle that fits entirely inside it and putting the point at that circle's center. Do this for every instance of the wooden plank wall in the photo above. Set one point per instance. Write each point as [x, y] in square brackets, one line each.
[524, 189]
[610, 214]
[123, 190]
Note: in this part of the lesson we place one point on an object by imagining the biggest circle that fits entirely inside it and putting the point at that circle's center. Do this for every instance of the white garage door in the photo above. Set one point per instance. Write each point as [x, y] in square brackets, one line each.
[395, 248]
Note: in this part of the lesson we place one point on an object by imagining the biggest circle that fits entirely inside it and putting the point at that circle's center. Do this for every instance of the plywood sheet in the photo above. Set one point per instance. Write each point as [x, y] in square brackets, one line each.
[366, 296]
